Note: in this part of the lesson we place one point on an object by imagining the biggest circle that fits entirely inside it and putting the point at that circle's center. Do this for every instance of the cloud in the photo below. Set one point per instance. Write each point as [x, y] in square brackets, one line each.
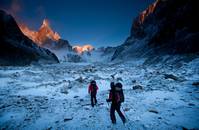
[13, 7]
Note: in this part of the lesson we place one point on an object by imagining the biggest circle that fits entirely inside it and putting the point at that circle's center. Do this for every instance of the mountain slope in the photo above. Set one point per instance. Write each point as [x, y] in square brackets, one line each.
[56, 96]
[165, 27]
[47, 38]
[16, 48]
[43, 36]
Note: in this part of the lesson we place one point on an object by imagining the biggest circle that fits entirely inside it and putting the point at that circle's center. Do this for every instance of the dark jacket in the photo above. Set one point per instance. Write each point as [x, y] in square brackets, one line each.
[91, 88]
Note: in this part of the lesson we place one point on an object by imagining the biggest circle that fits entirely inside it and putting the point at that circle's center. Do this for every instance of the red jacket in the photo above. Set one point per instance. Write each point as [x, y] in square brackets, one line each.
[90, 88]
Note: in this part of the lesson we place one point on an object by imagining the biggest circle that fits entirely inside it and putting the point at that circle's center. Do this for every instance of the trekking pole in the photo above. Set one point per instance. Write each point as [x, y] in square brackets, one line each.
[130, 123]
[108, 105]
[125, 114]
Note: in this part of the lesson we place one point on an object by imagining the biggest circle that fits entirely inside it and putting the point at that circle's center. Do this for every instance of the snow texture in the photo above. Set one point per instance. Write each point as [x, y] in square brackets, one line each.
[56, 96]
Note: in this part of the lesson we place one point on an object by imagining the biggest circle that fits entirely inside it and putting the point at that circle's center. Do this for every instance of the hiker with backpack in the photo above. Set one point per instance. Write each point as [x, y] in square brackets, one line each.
[116, 97]
[92, 90]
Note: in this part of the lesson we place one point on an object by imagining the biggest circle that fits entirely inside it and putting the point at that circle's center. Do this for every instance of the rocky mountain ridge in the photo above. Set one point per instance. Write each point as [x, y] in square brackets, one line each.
[165, 27]
[18, 49]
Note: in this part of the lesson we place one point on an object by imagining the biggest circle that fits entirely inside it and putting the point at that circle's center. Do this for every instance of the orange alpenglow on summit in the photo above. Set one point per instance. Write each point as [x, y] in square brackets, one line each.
[148, 11]
[81, 49]
[42, 35]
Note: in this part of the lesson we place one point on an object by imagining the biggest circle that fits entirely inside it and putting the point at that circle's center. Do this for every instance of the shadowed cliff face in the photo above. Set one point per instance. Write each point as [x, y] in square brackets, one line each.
[165, 27]
[16, 48]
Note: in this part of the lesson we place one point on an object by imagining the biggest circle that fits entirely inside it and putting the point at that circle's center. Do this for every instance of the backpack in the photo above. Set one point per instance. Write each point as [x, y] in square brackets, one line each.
[94, 87]
[120, 92]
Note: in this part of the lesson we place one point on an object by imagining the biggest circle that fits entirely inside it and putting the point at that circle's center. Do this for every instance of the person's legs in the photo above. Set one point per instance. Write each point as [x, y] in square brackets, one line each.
[95, 98]
[92, 104]
[120, 113]
[112, 114]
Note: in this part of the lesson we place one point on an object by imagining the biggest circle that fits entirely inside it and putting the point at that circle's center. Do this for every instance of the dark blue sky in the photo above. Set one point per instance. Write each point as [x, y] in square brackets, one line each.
[95, 22]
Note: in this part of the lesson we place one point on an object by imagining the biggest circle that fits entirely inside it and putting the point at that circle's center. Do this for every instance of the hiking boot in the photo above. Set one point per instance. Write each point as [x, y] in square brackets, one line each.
[113, 122]
[124, 121]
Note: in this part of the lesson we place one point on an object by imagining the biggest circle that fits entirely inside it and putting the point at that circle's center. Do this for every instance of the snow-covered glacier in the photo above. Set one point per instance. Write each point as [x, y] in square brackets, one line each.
[161, 95]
